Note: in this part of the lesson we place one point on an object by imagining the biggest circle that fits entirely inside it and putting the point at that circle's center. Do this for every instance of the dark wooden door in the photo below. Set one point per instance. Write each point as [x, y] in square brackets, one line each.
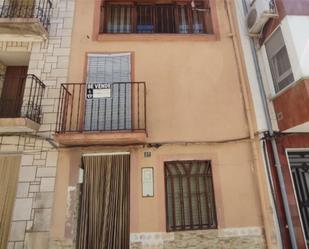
[13, 91]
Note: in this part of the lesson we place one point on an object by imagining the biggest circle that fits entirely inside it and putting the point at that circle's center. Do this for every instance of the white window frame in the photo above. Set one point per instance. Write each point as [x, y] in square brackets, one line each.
[273, 69]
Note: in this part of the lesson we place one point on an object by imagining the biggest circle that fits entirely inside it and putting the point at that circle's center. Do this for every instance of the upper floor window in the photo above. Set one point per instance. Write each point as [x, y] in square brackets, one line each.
[279, 61]
[145, 17]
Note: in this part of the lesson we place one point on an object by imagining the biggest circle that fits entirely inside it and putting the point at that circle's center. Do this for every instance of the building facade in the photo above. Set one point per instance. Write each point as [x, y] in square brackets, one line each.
[277, 59]
[156, 131]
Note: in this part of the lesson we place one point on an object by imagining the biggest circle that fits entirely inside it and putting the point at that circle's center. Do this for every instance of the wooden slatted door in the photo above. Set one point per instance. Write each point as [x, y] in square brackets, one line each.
[114, 112]
[104, 208]
[13, 91]
[299, 162]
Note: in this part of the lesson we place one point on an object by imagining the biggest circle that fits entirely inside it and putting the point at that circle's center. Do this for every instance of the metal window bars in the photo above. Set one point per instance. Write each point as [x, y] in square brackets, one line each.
[190, 201]
[154, 18]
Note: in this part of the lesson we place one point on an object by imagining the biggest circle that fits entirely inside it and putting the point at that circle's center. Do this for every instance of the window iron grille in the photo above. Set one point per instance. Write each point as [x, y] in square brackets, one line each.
[190, 202]
[154, 18]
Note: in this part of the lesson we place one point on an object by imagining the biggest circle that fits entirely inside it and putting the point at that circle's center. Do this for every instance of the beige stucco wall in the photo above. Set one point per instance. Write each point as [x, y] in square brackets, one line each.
[237, 203]
[193, 88]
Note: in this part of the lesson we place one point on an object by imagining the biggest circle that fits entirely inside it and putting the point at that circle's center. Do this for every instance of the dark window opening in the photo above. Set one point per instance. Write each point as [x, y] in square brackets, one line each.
[190, 202]
[145, 16]
[176, 17]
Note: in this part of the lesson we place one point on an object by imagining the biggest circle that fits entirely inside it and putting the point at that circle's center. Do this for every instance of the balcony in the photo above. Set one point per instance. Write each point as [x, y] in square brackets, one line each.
[25, 20]
[290, 107]
[20, 109]
[96, 113]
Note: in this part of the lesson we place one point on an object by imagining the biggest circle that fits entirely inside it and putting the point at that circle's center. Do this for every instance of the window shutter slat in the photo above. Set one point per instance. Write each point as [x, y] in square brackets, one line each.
[109, 113]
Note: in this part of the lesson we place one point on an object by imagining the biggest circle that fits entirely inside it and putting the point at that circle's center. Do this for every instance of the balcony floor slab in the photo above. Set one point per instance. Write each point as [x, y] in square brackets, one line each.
[18, 125]
[101, 138]
[22, 29]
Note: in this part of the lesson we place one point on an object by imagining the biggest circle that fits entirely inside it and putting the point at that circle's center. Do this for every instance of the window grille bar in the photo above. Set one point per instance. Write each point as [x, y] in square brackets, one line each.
[198, 195]
[181, 201]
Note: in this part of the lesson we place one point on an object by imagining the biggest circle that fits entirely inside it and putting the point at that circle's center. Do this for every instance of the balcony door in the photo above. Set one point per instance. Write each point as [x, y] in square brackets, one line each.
[111, 110]
[13, 91]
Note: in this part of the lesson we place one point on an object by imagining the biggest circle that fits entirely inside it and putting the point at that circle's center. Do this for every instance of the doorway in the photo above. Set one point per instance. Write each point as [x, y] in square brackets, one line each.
[13, 91]
[104, 203]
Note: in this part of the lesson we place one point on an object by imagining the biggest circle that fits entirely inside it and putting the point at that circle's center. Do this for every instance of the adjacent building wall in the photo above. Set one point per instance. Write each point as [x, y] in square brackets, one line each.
[34, 198]
[287, 108]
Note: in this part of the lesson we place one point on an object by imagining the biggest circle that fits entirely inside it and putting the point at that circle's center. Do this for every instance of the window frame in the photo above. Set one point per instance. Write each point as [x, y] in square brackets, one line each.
[213, 224]
[208, 19]
[271, 57]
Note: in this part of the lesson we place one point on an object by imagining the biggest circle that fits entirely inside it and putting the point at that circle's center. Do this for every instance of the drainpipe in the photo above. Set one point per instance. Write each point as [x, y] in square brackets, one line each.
[266, 209]
[273, 141]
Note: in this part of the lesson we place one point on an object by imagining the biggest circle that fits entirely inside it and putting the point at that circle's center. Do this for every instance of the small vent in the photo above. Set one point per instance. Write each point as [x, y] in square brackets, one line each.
[147, 154]
[251, 18]
[279, 116]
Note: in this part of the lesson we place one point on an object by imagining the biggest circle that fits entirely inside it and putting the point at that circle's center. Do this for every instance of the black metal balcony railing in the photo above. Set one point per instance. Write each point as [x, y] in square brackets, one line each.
[122, 108]
[28, 105]
[40, 9]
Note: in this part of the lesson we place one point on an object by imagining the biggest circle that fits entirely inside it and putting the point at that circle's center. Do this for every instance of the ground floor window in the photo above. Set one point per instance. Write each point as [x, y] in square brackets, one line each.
[190, 202]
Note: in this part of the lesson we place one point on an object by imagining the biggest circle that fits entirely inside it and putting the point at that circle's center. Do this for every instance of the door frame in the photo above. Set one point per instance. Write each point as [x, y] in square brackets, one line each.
[287, 150]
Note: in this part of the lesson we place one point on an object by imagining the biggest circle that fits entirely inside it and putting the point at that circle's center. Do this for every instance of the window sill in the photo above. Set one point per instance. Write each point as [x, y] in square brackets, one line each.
[156, 37]
[293, 84]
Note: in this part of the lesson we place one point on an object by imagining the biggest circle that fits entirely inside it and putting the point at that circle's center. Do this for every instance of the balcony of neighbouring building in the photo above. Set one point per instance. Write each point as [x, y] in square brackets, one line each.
[24, 20]
[20, 102]
[101, 113]
[291, 107]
